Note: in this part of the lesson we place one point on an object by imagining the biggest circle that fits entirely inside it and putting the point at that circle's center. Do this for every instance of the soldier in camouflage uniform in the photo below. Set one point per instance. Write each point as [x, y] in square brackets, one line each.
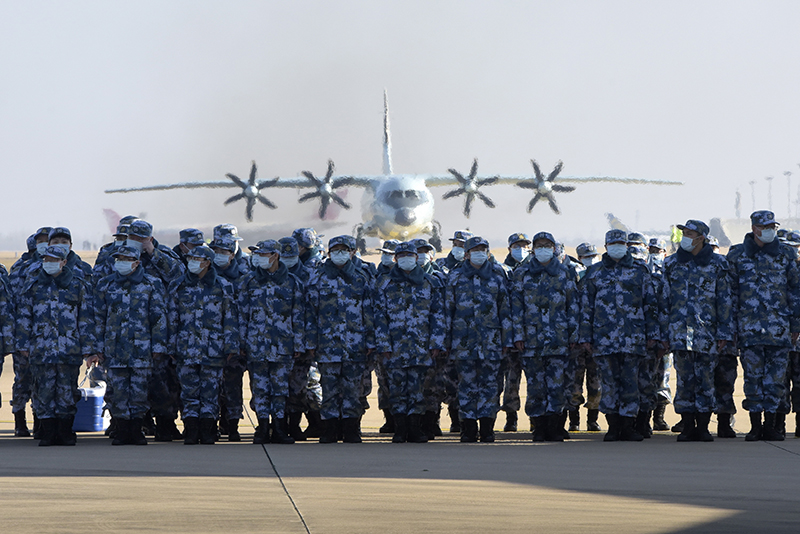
[480, 331]
[384, 267]
[409, 335]
[700, 324]
[55, 330]
[619, 320]
[271, 322]
[131, 318]
[7, 332]
[62, 237]
[340, 336]
[655, 262]
[104, 264]
[765, 281]
[189, 238]
[204, 333]
[456, 255]
[310, 253]
[545, 312]
[792, 399]
[229, 232]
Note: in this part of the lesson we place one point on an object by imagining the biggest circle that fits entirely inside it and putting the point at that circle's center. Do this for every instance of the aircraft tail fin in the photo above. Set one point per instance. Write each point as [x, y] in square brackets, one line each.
[112, 219]
[387, 138]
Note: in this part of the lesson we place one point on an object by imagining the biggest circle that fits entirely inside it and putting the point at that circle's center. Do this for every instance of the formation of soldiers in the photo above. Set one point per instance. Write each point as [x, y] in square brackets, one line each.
[172, 331]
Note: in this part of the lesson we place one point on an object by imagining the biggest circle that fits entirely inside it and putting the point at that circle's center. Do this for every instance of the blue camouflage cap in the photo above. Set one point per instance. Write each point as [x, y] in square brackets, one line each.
[421, 244]
[305, 237]
[636, 238]
[389, 245]
[56, 252]
[225, 243]
[616, 236]
[226, 230]
[202, 252]
[125, 250]
[352, 241]
[59, 231]
[657, 243]
[474, 241]
[461, 235]
[585, 250]
[140, 228]
[192, 236]
[516, 238]
[544, 235]
[44, 230]
[763, 218]
[128, 219]
[714, 242]
[696, 226]
[30, 243]
[122, 229]
[268, 246]
[792, 238]
[289, 247]
[340, 240]
[407, 246]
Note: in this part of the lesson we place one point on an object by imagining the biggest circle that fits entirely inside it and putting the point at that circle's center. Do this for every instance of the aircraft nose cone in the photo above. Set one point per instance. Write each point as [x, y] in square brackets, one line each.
[405, 217]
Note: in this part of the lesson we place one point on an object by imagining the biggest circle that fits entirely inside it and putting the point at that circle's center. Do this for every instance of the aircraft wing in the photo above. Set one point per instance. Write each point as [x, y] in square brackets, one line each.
[299, 182]
[443, 180]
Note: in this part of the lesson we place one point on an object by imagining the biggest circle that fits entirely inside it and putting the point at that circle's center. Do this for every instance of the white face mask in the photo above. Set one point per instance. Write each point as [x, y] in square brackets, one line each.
[222, 260]
[767, 235]
[478, 257]
[51, 267]
[519, 253]
[543, 254]
[290, 261]
[617, 250]
[135, 244]
[458, 253]
[262, 261]
[589, 261]
[387, 259]
[638, 251]
[119, 243]
[340, 257]
[423, 259]
[41, 247]
[407, 263]
[123, 267]
[687, 244]
[658, 259]
[194, 266]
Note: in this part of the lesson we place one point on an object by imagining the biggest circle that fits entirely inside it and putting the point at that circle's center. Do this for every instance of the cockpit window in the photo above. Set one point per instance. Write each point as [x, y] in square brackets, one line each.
[412, 194]
[399, 198]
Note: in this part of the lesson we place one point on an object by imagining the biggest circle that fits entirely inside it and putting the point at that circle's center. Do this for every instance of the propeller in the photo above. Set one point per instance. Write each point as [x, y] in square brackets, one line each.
[251, 191]
[325, 190]
[469, 186]
[545, 187]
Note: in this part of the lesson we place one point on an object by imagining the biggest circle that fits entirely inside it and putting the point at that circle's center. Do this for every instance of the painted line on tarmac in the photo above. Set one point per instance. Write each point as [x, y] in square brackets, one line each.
[280, 479]
[781, 448]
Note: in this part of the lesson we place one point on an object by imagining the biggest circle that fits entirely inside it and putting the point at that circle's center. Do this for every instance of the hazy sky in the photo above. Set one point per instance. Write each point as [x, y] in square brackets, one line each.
[106, 94]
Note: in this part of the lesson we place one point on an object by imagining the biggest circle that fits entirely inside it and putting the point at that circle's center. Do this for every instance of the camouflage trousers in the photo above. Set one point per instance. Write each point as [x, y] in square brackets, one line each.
[269, 384]
[435, 383]
[695, 374]
[126, 391]
[406, 386]
[55, 389]
[447, 380]
[545, 376]
[764, 377]
[510, 378]
[200, 385]
[583, 365]
[649, 380]
[22, 389]
[298, 385]
[724, 379]
[165, 388]
[232, 378]
[383, 391]
[663, 391]
[478, 394]
[341, 389]
[619, 378]
[366, 383]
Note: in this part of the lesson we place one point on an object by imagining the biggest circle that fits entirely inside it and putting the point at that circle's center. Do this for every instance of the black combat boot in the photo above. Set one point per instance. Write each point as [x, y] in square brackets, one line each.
[701, 423]
[780, 423]
[21, 425]
[641, 424]
[797, 425]
[658, 417]
[65, 434]
[614, 427]
[429, 426]
[678, 427]
[222, 427]
[437, 423]
[315, 427]
[36, 427]
[351, 430]
[233, 430]
[562, 424]
[540, 428]
[455, 422]
[123, 431]
[261, 435]
[511, 421]
[416, 432]
[191, 431]
[49, 432]
[574, 419]
[110, 432]
[554, 427]
[628, 432]
[148, 424]
[208, 431]
[769, 432]
[591, 421]
[293, 422]
[164, 428]
[400, 422]
[724, 428]
[388, 426]
[469, 430]
[330, 431]
[136, 432]
[755, 427]
[279, 434]
[487, 429]
[689, 431]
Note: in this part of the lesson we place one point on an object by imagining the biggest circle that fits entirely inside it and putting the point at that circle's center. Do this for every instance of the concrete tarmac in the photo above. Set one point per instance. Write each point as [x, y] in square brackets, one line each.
[582, 485]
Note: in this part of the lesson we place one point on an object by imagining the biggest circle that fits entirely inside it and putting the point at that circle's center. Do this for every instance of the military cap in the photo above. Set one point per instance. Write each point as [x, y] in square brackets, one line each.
[421, 244]
[289, 248]
[122, 229]
[713, 241]
[31, 243]
[793, 238]
[340, 240]
[44, 230]
[696, 226]
[461, 235]
[192, 236]
[128, 219]
[474, 241]
[516, 238]
[408, 246]
[225, 243]
[389, 246]
[657, 243]
[305, 237]
[352, 241]
[781, 234]
[125, 250]
[202, 252]
[56, 252]
[586, 249]
[140, 228]
[268, 246]
[544, 235]
[226, 230]
[763, 218]
[59, 231]
[636, 237]
[616, 236]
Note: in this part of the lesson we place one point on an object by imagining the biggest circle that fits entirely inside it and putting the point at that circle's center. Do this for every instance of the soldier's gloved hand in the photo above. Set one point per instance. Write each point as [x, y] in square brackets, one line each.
[587, 347]
[148, 247]
[312, 353]
[721, 344]
[297, 355]
[519, 345]
[93, 360]
[435, 353]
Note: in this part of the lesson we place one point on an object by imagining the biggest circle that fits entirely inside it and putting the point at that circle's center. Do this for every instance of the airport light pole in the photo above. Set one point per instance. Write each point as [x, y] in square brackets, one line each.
[788, 175]
[753, 193]
[769, 191]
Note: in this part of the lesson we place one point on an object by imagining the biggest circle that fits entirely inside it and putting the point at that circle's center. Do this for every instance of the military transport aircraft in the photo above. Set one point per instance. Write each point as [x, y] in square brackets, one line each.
[396, 206]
